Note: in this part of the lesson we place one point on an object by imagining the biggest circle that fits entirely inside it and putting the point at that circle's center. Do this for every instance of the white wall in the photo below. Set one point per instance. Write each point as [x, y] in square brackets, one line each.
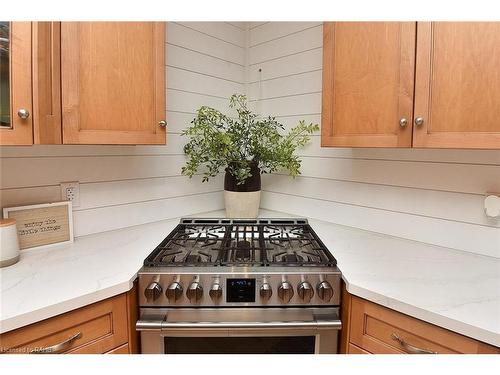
[434, 196]
[128, 185]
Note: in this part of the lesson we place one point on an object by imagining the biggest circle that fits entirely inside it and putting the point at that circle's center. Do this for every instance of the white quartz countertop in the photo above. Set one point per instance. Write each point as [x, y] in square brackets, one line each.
[452, 289]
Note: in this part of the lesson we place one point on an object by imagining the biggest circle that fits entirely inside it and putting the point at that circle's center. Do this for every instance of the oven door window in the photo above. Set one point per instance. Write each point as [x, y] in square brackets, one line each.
[240, 345]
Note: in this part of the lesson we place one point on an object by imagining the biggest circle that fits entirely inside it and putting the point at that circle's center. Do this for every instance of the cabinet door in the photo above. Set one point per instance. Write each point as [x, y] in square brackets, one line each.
[368, 79]
[16, 125]
[113, 82]
[457, 92]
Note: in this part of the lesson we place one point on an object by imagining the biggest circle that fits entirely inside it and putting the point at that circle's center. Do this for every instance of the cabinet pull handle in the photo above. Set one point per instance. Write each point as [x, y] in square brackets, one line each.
[403, 122]
[410, 348]
[57, 348]
[162, 123]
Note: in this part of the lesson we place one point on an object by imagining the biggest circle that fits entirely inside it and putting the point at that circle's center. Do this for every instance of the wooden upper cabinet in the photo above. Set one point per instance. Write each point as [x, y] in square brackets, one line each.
[368, 79]
[457, 91]
[113, 82]
[16, 84]
[47, 83]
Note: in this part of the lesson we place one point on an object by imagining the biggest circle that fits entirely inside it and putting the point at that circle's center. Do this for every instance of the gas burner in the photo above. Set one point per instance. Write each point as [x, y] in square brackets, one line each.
[242, 253]
[292, 258]
[193, 258]
[226, 242]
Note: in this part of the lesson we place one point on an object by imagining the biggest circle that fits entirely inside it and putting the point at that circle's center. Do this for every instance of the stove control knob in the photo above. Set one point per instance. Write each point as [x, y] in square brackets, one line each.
[174, 291]
[215, 292]
[265, 291]
[194, 292]
[285, 291]
[153, 291]
[305, 291]
[325, 291]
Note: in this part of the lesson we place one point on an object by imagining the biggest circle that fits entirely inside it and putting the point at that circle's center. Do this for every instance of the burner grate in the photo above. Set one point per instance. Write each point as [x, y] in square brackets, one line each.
[225, 242]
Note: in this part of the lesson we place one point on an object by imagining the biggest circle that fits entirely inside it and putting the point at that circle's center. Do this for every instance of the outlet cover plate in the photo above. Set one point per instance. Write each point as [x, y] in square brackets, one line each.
[70, 191]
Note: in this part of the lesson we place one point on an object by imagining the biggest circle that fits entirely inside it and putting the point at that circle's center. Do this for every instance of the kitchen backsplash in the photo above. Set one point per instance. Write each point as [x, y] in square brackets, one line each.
[434, 196]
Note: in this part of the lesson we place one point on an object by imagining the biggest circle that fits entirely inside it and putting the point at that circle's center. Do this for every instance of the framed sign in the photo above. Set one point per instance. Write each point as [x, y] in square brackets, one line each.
[42, 225]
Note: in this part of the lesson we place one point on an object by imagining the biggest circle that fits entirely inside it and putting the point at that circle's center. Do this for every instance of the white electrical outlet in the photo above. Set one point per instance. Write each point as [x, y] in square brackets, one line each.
[70, 191]
[492, 205]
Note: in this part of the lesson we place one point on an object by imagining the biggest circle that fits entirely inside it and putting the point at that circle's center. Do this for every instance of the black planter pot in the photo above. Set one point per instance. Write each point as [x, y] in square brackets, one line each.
[251, 184]
[242, 201]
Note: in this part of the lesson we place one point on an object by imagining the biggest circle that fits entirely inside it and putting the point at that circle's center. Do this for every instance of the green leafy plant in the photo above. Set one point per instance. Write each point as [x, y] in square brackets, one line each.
[219, 141]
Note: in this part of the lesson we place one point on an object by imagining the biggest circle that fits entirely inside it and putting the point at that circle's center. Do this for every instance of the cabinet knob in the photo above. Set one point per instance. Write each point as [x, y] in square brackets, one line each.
[162, 123]
[23, 113]
[419, 121]
[403, 122]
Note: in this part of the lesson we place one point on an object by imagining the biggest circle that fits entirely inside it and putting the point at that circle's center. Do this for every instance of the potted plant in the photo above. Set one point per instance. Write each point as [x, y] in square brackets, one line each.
[244, 147]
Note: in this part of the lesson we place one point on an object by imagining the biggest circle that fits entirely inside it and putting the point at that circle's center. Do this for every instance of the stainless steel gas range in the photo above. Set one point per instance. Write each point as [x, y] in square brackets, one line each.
[240, 286]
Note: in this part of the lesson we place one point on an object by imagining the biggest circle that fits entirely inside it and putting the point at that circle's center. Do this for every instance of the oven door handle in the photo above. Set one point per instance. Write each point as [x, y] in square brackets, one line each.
[156, 325]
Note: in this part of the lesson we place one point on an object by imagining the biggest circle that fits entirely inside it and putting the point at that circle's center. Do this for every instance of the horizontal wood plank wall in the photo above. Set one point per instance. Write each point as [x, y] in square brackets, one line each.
[434, 196]
[122, 186]
[430, 195]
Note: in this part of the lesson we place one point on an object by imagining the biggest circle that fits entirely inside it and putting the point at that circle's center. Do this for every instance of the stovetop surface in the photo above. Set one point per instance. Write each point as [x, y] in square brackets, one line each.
[241, 243]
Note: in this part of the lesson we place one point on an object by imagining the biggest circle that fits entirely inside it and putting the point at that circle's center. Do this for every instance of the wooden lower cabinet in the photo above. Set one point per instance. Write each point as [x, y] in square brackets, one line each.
[353, 349]
[371, 328]
[102, 327]
[124, 349]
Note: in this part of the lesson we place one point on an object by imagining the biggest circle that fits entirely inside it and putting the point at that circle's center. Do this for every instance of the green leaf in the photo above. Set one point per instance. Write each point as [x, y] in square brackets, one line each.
[218, 141]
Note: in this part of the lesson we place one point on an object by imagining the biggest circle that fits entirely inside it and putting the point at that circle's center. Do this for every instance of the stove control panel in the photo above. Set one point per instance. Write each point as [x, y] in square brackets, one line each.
[240, 290]
[245, 289]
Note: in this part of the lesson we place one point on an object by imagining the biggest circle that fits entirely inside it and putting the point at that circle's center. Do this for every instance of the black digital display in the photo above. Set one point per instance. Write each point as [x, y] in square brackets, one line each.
[240, 290]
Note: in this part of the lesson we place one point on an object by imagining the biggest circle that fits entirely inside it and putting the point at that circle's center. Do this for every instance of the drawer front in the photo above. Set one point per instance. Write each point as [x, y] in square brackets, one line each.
[123, 349]
[96, 328]
[353, 349]
[377, 329]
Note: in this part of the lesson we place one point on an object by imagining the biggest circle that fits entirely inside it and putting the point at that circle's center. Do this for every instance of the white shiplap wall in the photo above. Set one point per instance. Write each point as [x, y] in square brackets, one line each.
[122, 186]
[434, 196]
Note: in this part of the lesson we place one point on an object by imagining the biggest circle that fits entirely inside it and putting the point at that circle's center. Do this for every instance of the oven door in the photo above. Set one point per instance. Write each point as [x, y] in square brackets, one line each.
[239, 331]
